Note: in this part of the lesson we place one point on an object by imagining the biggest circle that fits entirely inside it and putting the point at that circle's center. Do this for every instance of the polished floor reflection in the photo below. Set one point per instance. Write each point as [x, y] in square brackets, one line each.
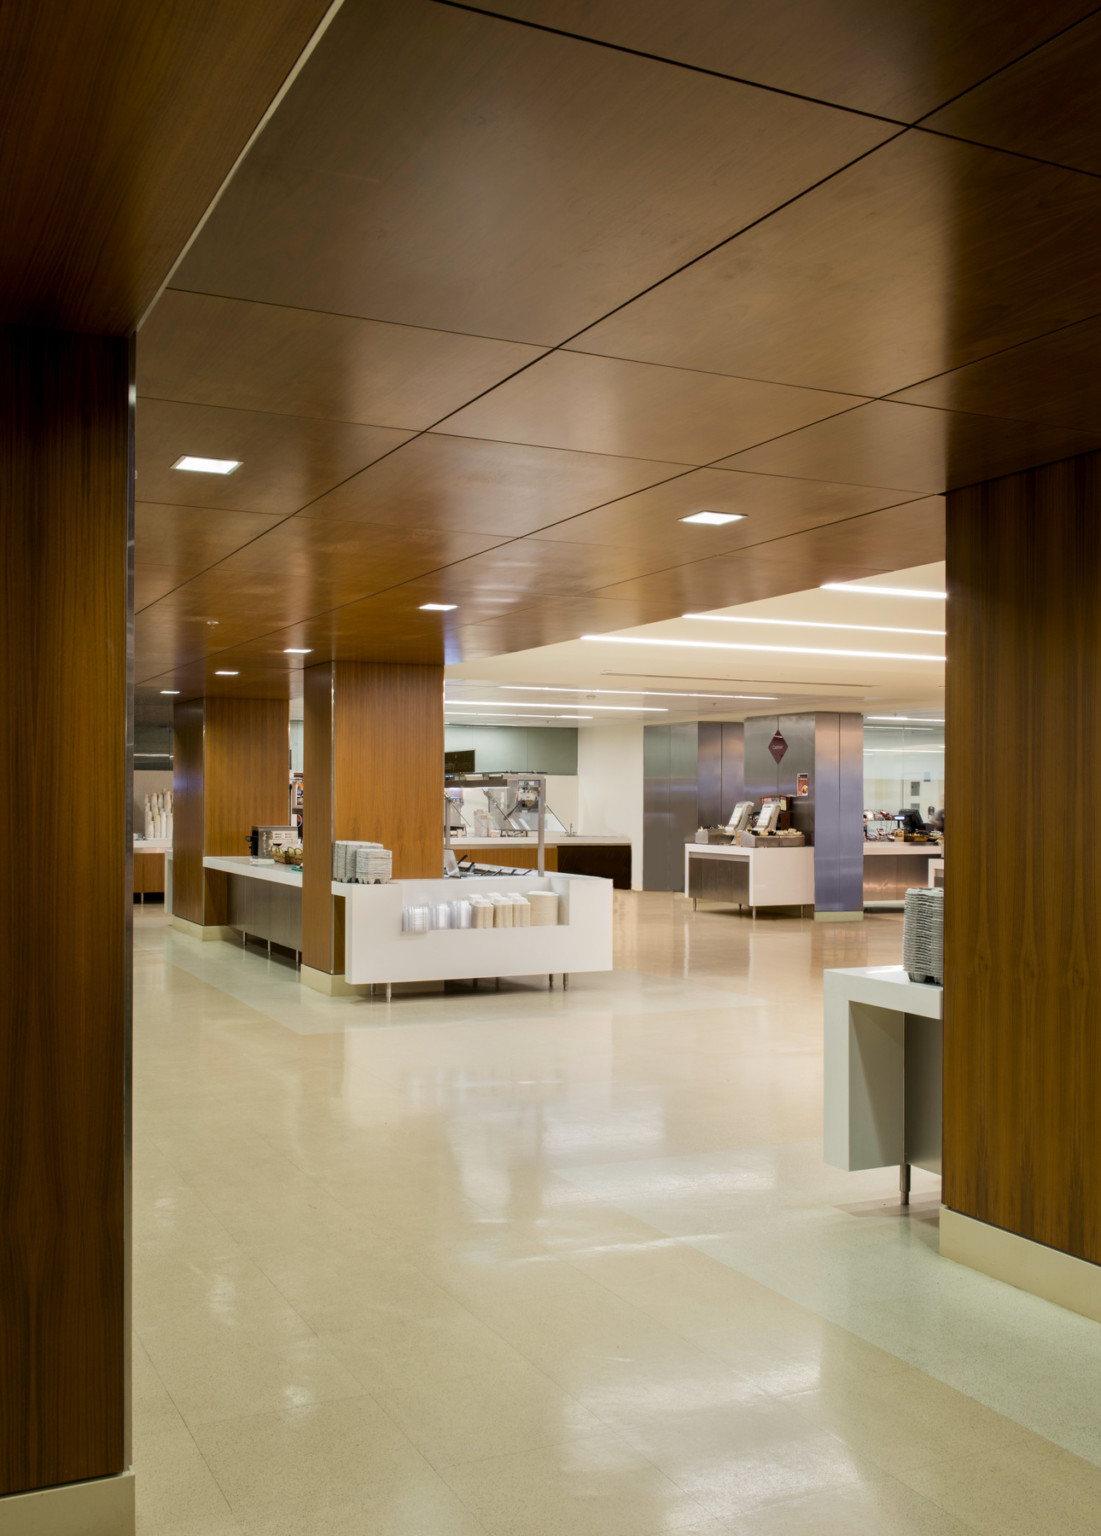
[543, 1263]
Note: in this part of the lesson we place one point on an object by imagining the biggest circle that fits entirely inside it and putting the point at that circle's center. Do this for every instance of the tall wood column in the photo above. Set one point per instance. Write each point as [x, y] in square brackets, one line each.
[230, 773]
[1022, 1056]
[372, 770]
[65, 443]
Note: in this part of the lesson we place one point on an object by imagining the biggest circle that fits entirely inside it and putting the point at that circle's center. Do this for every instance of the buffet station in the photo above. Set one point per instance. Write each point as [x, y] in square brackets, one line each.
[756, 860]
[480, 919]
[502, 821]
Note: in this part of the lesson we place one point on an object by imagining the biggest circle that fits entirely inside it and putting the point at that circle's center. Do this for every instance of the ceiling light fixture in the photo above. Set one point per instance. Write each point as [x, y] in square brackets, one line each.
[170, 690]
[478, 714]
[298, 650]
[641, 693]
[207, 466]
[851, 586]
[868, 629]
[633, 709]
[438, 607]
[227, 674]
[713, 519]
[788, 650]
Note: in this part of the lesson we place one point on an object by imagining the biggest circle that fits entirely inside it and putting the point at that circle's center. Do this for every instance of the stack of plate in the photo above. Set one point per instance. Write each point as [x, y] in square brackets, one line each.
[416, 919]
[374, 864]
[923, 936]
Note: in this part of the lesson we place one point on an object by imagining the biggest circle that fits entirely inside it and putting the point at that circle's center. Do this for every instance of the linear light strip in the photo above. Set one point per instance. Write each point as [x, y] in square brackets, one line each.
[479, 714]
[633, 709]
[849, 586]
[640, 693]
[905, 719]
[786, 650]
[868, 629]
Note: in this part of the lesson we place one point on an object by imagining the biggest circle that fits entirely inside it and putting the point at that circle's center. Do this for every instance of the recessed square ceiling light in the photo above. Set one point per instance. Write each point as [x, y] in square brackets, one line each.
[227, 674]
[207, 466]
[297, 650]
[170, 690]
[438, 607]
[713, 519]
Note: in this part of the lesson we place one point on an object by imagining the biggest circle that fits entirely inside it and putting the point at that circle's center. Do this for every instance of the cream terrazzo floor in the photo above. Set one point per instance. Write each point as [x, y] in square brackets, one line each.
[535, 1263]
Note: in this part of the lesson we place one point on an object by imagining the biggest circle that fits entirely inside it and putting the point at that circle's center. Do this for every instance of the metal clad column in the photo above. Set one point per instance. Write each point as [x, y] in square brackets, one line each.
[838, 787]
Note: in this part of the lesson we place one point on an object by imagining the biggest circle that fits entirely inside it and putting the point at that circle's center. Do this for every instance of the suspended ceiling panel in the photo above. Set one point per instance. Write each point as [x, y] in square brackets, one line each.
[488, 309]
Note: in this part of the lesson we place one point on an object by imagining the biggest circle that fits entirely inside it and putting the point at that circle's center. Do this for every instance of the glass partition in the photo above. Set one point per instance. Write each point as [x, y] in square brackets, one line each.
[904, 767]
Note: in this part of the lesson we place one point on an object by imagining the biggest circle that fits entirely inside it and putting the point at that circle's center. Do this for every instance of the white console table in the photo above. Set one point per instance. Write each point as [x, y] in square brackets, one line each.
[883, 1071]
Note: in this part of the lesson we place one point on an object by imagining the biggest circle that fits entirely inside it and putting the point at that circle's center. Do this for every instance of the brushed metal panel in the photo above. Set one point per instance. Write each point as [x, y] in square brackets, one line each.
[839, 828]
[761, 774]
[709, 773]
[732, 788]
[799, 731]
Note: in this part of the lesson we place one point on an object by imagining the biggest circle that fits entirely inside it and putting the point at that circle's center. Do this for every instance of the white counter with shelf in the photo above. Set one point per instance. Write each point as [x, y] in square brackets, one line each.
[377, 950]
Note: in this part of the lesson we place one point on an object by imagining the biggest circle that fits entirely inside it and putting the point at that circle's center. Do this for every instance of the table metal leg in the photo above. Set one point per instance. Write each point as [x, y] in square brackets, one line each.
[550, 981]
[565, 981]
[904, 1183]
[387, 991]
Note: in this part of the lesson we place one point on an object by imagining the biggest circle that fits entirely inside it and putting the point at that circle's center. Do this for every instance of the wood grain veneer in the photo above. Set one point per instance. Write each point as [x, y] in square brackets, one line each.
[64, 984]
[1022, 1043]
[127, 117]
[377, 728]
[231, 773]
[901, 59]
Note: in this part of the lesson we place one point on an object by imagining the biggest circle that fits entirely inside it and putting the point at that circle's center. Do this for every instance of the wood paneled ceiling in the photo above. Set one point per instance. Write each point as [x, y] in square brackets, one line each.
[495, 300]
[119, 122]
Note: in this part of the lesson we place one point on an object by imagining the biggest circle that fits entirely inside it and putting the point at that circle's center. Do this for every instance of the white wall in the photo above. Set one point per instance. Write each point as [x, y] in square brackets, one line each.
[609, 781]
[562, 797]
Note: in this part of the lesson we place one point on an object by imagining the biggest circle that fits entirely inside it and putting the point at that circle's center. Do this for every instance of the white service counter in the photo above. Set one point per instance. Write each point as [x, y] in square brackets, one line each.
[376, 950]
[749, 877]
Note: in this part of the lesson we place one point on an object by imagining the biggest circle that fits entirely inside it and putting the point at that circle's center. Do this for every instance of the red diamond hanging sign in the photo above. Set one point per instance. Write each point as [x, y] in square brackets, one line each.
[777, 746]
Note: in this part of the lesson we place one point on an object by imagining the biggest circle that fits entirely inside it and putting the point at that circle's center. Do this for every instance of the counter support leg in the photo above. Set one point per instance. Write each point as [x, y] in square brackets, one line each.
[388, 991]
[565, 981]
[550, 981]
[904, 1184]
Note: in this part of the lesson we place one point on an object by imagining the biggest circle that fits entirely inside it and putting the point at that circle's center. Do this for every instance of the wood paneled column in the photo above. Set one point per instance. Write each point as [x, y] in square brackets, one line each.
[231, 772]
[1022, 1047]
[372, 770]
[65, 444]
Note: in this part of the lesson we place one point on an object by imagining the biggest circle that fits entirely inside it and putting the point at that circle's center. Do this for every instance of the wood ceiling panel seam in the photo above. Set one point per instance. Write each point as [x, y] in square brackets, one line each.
[712, 373]
[660, 58]
[719, 245]
[251, 410]
[988, 357]
[344, 314]
[1002, 68]
[746, 80]
[1001, 149]
[909, 499]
